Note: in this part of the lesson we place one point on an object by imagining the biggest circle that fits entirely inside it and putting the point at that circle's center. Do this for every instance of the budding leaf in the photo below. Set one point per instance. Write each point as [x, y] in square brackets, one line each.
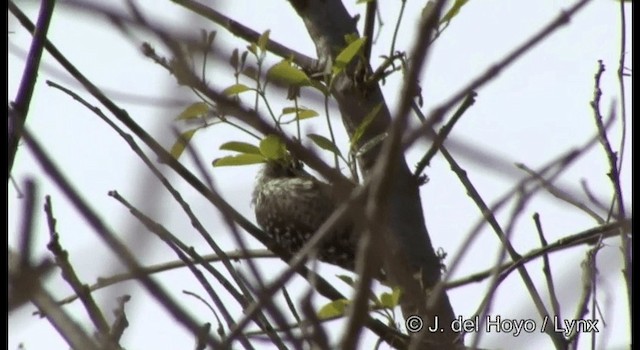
[194, 110]
[347, 54]
[272, 148]
[333, 309]
[263, 40]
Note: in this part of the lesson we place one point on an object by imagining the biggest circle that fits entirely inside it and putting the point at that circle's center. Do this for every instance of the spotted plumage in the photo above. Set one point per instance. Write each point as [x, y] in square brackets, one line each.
[290, 205]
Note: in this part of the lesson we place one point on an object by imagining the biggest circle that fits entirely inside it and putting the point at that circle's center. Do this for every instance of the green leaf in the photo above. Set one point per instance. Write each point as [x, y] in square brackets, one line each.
[347, 54]
[351, 37]
[236, 89]
[324, 143]
[333, 309]
[288, 110]
[239, 159]
[303, 113]
[285, 73]
[272, 148]
[182, 142]
[253, 48]
[241, 147]
[453, 11]
[195, 110]
[395, 295]
[390, 300]
[263, 40]
[347, 279]
[360, 130]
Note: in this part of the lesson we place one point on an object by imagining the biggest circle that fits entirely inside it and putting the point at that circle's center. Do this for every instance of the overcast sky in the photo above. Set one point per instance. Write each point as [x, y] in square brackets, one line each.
[535, 111]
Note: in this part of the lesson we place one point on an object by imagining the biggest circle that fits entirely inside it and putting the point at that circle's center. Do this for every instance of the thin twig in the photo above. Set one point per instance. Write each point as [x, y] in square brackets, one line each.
[605, 231]
[114, 243]
[308, 157]
[440, 137]
[246, 33]
[592, 198]
[200, 340]
[560, 194]
[179, 249]
[546, 269]
[120, 323]
[614, 177]
[26, 227]
[104, 282]
[261, 320]
[492, 72]
[589, 272]
[243, 301]
[28, 283]
[80, 289]
[561, 162]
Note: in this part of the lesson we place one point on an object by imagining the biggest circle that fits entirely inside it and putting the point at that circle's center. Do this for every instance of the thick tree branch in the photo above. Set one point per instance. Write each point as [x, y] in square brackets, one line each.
[410, 260]
[20, 107]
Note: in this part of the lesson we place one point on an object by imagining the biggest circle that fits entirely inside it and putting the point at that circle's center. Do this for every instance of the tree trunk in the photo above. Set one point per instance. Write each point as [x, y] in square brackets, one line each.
[409, 258]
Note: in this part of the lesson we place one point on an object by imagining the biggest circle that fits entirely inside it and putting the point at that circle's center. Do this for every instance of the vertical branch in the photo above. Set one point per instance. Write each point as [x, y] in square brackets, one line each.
[69, 274]
[553, 295]
[614, 177]
[20, 107]
[26, 230]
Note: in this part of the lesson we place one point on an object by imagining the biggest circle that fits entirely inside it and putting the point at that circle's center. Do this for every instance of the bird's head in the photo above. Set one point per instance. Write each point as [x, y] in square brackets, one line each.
[282, 168]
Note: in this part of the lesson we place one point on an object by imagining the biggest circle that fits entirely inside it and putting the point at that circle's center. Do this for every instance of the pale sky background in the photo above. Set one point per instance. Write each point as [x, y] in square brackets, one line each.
[535, 111]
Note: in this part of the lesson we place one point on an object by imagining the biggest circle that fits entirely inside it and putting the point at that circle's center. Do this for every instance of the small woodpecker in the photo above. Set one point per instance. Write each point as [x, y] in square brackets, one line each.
[290, 206]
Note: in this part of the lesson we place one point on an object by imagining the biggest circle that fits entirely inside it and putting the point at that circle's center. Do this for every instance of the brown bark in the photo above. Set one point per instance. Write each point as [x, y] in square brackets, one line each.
[409, 258]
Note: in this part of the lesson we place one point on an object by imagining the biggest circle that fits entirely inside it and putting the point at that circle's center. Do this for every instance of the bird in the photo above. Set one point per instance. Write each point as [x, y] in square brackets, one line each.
[291, 204]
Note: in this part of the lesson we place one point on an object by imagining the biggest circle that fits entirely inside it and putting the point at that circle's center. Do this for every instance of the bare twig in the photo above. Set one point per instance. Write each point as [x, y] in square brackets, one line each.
[605, 231]
[614, 177]
[439, 138]
[27, 281]
[589, 272]
[110, 238]
[561, 163]
[180, 249]
[108, 281]
[308, 157]
[524, 196]
[560, 194]
[546, 269]
[437, 114]
[592, 198]
[200, 343]
[120, 323]
[26, 227]
[246, 33]
[80, 289]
